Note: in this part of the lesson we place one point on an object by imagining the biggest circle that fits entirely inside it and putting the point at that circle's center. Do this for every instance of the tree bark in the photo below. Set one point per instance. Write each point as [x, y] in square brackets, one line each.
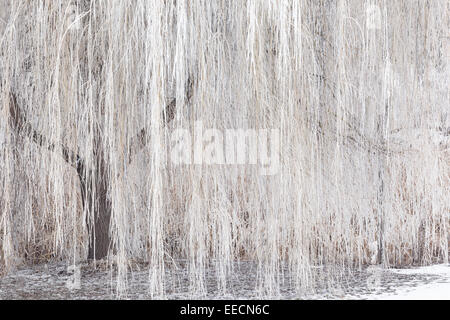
[94, 192]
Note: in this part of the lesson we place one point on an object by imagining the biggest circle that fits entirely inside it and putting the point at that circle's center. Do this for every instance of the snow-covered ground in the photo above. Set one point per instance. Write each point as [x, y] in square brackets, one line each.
[438, 289]
[55, 282]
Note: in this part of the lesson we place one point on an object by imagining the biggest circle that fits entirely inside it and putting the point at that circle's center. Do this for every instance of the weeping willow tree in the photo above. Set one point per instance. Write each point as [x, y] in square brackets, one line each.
[91, 91]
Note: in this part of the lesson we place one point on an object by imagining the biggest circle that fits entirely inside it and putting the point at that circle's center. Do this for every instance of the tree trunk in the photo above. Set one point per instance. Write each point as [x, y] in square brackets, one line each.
[99, 239]
[94, 192]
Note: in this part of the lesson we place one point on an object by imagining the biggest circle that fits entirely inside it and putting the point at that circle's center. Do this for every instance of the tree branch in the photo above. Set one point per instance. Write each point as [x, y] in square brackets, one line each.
[19, 123]
[168, 114]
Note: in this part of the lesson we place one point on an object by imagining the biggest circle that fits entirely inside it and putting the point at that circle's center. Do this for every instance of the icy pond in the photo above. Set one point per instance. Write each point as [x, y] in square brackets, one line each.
[54, 281]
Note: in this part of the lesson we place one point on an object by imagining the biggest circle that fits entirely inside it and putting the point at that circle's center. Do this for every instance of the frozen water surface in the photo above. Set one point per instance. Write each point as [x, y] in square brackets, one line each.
[52, 281]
